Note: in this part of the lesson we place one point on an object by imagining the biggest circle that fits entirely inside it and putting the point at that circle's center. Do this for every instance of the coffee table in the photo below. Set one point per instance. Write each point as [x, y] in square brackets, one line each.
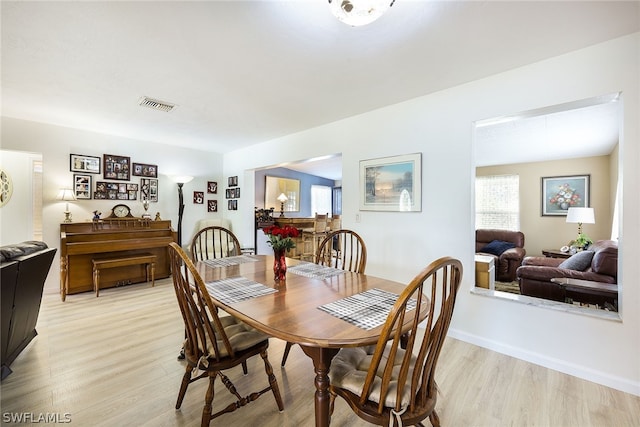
[609, 290]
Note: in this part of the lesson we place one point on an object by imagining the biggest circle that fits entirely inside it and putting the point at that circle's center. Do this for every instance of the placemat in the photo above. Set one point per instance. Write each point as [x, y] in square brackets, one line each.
[366, 310]
[236, 289]
[232, 260]
[315, 271]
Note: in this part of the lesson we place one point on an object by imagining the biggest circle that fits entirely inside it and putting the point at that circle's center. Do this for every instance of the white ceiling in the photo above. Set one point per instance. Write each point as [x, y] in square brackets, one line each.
[244, 72]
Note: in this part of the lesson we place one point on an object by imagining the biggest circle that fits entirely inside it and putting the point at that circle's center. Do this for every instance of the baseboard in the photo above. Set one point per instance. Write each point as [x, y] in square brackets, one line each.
[615, 382]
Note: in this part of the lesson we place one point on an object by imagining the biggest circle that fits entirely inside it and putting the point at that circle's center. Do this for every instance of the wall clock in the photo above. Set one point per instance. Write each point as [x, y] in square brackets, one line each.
[6, 188]
[121, 211]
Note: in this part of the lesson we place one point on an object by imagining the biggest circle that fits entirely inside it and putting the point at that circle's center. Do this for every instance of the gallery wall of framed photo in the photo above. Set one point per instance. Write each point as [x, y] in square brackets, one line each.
[112, 177]
[119, 178]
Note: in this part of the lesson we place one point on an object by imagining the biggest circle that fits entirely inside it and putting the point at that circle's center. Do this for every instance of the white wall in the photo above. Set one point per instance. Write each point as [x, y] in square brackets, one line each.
[440, 127]
[56, 143]
[19, 166]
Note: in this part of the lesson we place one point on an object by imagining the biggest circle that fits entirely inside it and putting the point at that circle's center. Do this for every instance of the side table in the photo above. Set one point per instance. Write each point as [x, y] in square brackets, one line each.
[555, 253]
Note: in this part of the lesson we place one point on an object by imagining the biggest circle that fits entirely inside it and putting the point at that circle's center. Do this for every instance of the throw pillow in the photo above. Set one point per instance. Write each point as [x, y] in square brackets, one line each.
[579, 261]
[497, 247]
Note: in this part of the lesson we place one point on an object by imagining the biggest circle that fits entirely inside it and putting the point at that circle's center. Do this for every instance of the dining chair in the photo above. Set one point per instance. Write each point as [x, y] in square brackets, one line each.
[214, 344]
[386, 384]
[343, 249]
[214, 242]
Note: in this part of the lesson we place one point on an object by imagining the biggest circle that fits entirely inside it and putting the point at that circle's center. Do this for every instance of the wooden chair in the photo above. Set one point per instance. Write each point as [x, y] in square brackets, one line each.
[311, 237]
[214, 344]
[342, 249]
[214, 242]
[386, 384]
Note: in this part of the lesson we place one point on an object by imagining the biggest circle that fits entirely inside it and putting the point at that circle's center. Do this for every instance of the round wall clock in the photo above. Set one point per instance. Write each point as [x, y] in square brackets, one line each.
[6, 188]
[121, 211]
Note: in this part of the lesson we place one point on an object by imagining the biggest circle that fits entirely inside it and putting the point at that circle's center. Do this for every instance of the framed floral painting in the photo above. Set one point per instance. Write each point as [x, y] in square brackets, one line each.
[559, 193]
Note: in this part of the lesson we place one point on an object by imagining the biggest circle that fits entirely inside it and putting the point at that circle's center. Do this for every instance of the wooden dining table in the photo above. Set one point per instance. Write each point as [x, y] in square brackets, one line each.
[292, 314]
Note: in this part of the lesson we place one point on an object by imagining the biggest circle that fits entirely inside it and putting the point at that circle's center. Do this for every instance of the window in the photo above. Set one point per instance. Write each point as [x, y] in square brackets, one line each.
[498, 202]
[320, 199]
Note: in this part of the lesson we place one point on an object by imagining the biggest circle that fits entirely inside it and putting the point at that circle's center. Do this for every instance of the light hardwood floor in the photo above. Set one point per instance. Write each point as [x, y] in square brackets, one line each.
[111, 361]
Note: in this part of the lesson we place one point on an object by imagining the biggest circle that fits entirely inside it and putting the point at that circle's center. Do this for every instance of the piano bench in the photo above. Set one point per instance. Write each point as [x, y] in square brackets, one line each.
[148, 260]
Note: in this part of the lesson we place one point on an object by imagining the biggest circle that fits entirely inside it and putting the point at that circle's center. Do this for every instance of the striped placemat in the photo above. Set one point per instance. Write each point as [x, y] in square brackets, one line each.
[232, 260]
[366, 310]
[236, 289]
[314, 271]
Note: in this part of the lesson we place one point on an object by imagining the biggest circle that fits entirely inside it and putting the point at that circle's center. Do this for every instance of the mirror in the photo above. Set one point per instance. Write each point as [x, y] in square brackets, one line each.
[275, 187]
[580, 138]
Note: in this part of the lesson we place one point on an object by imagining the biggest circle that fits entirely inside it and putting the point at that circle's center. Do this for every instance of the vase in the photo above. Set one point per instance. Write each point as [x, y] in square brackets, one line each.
[279, 264]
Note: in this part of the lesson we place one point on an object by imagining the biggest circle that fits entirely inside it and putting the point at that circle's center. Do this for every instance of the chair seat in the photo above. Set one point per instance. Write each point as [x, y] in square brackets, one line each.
[349, 371]
[241, 336]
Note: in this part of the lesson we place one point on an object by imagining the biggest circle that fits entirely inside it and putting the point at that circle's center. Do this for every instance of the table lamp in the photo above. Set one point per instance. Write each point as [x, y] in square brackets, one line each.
[282, 198]
[67, 195]
[581, 216]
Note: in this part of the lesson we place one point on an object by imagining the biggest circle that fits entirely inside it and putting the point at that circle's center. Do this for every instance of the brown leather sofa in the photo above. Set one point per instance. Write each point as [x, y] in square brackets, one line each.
[508, 261]
[24, 268]
[536, 273]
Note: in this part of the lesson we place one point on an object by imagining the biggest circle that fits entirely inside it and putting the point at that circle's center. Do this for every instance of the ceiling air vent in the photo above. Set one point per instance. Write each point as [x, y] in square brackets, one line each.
[156, 104]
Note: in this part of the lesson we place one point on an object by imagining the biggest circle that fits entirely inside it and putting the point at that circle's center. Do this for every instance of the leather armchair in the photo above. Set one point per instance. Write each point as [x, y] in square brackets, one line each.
[536, 273]
[508, 262]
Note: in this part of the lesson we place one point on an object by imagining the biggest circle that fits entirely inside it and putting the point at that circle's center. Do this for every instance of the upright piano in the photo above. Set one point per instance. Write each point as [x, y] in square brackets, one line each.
[81, 242]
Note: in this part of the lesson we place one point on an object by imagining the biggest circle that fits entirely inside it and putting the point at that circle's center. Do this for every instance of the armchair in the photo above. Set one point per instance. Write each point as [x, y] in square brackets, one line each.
[508, 261]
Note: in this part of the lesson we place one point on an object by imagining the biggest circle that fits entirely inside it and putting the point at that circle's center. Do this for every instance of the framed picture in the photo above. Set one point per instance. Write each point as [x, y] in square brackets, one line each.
[233, 181]
[275, 186]
[391, 184]
[82, 186]
[85, 164]
[236, 193]
[198, 197]
[212, 187]
[140, 169]
[149, 189]
[212, 206]
[229, 193]
[115, 191]
[233, 205]
[559, 193]
[117, 167]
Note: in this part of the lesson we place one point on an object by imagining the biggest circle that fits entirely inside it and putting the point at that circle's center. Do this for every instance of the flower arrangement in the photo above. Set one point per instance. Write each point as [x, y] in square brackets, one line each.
[565, 197]
[281, 237]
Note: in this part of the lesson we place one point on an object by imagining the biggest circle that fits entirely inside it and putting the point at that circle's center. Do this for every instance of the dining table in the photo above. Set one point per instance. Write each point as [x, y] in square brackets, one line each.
[320, 308]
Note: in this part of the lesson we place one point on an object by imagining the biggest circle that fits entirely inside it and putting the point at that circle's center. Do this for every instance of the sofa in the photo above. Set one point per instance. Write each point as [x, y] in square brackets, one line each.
[24, 268]
[599, 263]
[507, 249]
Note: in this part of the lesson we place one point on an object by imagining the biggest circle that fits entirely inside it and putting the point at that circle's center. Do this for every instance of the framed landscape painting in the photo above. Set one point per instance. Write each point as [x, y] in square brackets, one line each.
[559, 193]
[391, 184]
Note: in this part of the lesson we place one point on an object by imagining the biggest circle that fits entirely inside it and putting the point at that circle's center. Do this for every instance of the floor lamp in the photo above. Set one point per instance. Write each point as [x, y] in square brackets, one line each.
[181, 180]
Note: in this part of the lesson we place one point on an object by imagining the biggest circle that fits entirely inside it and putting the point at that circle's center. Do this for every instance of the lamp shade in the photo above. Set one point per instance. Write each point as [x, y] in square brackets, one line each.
[182, 179]
[581, 216]
[359, 12]
[282, 198]
[66, 194]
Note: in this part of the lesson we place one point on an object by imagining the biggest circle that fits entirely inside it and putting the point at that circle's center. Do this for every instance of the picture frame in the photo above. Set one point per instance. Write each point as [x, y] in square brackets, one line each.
[233, 181]
[274, 186]
[198, 197]
[559, 193]
[229, 193]
[212, 206]
[141, 169]
[212, 187]
[233, 205]
[117, 167]
[391, 183]
[115, 191]
[82, 186]
[84, 164]
[149, 189]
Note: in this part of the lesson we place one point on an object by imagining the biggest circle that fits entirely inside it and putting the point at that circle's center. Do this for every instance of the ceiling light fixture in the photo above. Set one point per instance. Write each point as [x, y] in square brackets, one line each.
[359, 12]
